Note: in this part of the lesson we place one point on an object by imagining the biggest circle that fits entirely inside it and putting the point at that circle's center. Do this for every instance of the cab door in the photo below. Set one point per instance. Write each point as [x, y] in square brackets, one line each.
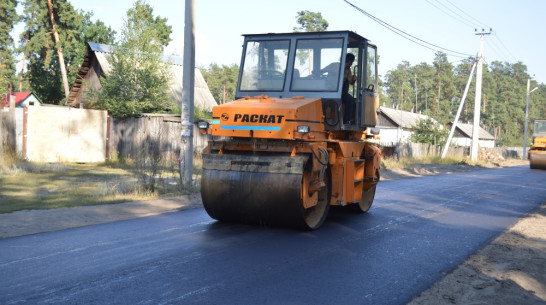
[369, 91]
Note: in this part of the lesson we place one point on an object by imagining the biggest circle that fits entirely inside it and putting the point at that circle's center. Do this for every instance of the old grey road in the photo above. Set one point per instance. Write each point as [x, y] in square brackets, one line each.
[417, 229]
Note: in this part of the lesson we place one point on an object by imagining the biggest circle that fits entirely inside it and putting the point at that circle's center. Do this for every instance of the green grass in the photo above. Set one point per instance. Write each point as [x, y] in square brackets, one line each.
[25, 185]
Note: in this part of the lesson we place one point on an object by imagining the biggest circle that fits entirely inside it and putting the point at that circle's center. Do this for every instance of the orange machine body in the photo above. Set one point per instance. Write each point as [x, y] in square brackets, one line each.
[285, 150]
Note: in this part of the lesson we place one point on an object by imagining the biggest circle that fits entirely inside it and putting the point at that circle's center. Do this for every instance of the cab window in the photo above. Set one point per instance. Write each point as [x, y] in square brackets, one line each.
[317, 65]
[264, 66]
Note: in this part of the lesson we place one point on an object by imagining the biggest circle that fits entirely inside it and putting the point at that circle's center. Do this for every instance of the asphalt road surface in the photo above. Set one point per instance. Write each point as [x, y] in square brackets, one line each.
[417, 229]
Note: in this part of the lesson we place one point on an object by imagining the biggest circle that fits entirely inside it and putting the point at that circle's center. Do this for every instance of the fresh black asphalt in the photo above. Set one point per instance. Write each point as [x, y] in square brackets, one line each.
[417, 229]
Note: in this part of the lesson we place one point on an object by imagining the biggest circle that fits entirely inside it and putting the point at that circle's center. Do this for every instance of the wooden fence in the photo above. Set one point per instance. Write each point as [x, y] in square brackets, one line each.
[7, 130]
[154, 135]
[150, 136]
[420, 150]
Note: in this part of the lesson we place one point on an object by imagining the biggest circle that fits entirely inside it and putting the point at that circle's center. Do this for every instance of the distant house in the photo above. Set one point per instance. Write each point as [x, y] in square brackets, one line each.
[22, 99]
[396, 126]
[463, 136]
[95, 65]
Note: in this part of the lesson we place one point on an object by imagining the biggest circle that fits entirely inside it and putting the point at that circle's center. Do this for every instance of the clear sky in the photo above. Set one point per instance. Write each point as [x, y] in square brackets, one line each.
[446, 23]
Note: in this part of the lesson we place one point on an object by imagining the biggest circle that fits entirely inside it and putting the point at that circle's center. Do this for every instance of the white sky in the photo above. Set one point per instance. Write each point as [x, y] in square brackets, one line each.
[219, 24]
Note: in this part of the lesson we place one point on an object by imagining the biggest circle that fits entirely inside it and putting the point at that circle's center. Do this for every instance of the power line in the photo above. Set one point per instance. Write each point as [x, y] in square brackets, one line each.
[497, 50]
[408, 36]
[478, 22]
[475, 24]
[461, 19]
[502, 44]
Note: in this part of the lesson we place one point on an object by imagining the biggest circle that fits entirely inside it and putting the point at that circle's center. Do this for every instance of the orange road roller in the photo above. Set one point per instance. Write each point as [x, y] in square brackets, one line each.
[299, 137]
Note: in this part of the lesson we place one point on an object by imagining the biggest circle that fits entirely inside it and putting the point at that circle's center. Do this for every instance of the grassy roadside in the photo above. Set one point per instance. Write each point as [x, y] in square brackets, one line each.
[27, 185]
[391, 163]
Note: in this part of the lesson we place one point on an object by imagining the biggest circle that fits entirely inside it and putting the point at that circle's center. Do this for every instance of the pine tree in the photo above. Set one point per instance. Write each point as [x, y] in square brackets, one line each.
[222, 81]
[311, 22]
[40, 50]
[7, 60]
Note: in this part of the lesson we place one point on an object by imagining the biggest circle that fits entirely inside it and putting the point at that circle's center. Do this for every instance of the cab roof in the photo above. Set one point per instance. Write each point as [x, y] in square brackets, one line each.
[352, 35]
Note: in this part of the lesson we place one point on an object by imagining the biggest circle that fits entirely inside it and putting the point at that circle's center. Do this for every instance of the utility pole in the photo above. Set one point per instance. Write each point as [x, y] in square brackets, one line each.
[478, 99]
[415, 91]
[188, 78]
[524, 156]
[448, 142]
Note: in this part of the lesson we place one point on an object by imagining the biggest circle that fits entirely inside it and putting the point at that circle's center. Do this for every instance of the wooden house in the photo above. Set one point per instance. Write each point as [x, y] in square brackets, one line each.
[22, 99]
[95, 66]
[463, 136]
[396, 126]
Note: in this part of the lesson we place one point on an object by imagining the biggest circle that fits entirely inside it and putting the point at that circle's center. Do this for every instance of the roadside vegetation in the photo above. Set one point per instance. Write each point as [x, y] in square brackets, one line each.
[392, 163]
[28, 185]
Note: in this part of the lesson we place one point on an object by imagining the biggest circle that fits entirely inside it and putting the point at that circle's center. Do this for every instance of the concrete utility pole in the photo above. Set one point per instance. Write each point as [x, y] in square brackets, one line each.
[444, 152]
[524, 157]
[478, 100]
[186, 152]
[415, 84]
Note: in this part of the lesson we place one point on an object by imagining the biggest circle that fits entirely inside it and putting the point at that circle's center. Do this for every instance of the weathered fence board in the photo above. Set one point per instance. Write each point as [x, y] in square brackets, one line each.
[7, 130]
[420, 150]
[150, 135]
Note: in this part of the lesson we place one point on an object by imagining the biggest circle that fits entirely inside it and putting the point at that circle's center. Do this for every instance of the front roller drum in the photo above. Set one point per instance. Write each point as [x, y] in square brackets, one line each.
[260, 197]
[537, 159]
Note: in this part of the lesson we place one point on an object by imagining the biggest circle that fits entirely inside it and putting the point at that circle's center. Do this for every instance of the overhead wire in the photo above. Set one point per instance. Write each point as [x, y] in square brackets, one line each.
[496, 49]
[469, 16]
[408, 36]
[502, 44]
[477, 24]
[461, 19]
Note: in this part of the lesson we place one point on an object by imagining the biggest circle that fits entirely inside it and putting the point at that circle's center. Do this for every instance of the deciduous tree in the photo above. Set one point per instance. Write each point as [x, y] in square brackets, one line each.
[429, 132]
[139, 79]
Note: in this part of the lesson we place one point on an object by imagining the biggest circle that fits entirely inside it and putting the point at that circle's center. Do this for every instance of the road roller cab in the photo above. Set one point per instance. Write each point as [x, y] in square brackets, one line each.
[287, 148]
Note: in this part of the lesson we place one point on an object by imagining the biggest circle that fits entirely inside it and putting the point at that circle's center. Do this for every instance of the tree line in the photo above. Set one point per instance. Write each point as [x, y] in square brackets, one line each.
[437, 88]
[430, 88]
[434, 89]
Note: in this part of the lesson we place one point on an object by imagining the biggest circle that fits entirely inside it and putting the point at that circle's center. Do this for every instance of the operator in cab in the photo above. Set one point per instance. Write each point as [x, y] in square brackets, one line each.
[346, 98]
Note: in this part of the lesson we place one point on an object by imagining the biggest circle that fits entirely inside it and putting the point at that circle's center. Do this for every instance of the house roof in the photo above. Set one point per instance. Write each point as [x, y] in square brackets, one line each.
[401, 118]
[19, 98]
[202, 96]
[466, 131]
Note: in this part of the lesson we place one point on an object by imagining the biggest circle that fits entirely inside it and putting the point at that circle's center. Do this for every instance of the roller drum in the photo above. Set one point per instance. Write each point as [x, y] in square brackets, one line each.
[258, 190]
[537, 159]
[253, 198]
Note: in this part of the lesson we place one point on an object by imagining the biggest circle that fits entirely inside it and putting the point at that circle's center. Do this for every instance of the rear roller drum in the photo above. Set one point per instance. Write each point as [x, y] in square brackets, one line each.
[364, 204]
[367, 199]
[315, 215]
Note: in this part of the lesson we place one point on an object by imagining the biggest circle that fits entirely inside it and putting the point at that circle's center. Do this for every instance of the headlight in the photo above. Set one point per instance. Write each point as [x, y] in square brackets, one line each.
[203, 125]
[303, 129]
